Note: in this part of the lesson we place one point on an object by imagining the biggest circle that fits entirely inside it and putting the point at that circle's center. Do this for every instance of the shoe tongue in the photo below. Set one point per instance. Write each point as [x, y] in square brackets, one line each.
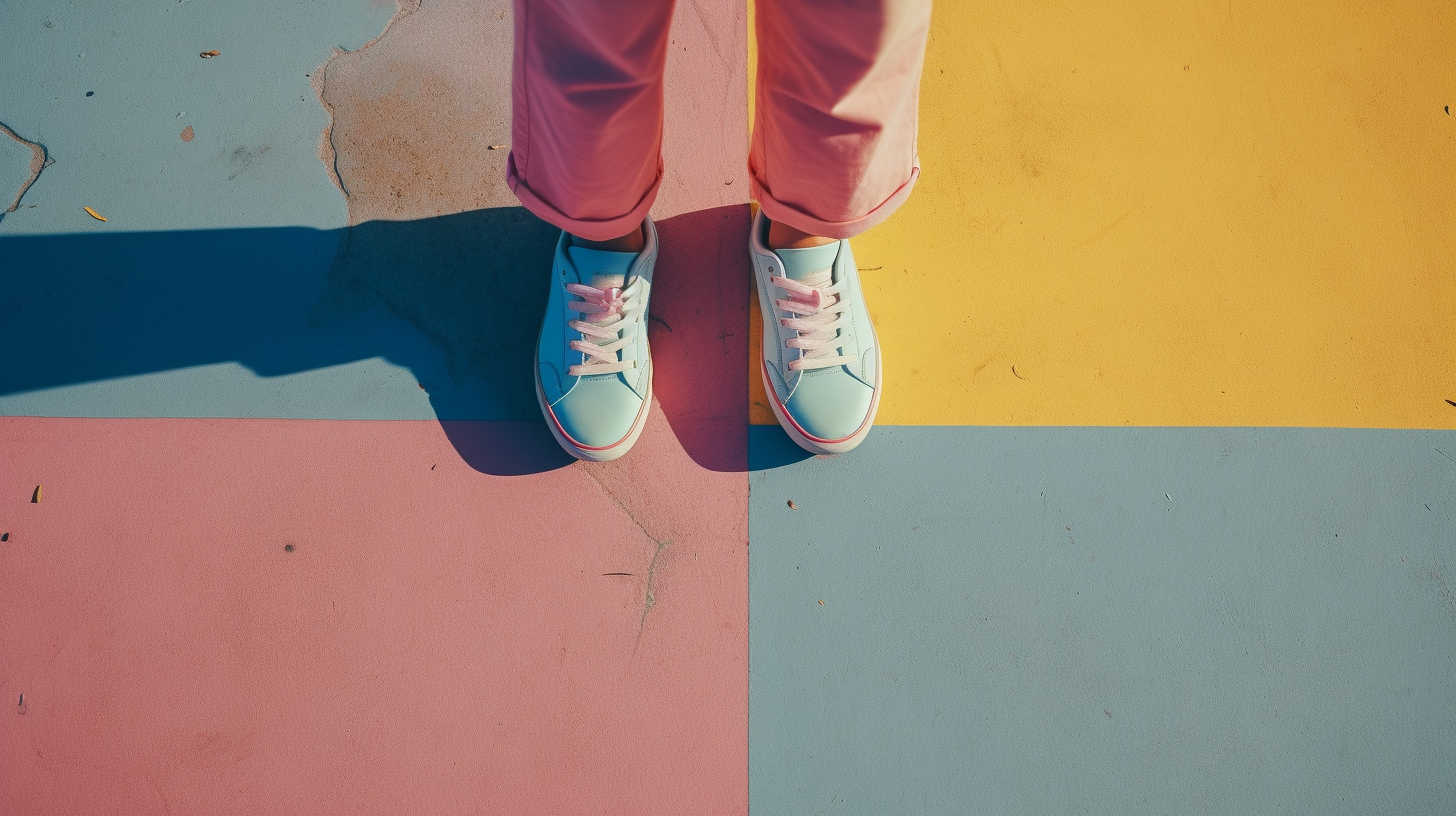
[808, 262]
[600, 268]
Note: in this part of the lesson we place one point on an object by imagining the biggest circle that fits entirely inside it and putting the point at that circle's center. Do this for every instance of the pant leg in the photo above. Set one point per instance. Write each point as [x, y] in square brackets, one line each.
[586, 96]
[833, 148]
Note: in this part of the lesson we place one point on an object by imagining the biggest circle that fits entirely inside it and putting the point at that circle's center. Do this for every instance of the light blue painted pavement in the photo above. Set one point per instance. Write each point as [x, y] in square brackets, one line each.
[224, 283]
[254, 158]
[1094, 620]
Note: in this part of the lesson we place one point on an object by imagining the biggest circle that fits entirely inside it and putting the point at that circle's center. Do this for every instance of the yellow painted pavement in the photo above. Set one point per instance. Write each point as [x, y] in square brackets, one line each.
[1202, 213]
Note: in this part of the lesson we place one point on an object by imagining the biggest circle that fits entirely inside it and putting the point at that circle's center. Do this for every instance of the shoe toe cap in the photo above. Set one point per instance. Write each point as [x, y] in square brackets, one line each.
[598, 412]
[830, 406]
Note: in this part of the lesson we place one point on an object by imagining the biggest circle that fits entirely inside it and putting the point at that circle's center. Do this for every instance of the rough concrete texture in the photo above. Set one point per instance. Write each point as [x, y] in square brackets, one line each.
[421, 116]
[417, 112]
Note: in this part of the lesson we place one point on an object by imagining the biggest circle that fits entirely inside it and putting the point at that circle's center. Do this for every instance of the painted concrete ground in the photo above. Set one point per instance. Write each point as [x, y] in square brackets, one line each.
[1159, 517]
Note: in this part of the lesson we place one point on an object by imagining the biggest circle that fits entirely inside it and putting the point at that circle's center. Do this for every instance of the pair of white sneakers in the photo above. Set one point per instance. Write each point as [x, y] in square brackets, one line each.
[821, 360]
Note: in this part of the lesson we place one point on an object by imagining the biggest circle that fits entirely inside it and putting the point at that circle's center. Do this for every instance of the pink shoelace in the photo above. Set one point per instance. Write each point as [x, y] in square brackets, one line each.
[820, 315]
[603, 334]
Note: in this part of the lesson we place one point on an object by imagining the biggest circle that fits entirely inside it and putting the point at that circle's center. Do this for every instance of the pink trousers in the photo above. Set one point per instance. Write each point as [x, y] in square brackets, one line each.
[833, 150]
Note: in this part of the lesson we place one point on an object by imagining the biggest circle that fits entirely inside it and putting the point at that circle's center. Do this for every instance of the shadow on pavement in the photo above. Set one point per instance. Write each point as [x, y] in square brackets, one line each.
[456, 299]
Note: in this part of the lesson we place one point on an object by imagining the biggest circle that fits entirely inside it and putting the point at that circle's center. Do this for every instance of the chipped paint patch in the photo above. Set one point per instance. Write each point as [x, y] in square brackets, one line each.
[420, 117]
[414, 112]
[319, 80]
[38, 162]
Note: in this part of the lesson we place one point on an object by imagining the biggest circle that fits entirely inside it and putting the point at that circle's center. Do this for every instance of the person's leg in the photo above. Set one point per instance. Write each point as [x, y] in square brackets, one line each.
[833, 154]
[586, 128]
[586, 156]
[833, 148]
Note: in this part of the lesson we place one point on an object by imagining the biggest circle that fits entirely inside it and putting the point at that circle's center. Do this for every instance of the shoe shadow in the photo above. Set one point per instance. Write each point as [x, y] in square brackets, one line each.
[700, 334]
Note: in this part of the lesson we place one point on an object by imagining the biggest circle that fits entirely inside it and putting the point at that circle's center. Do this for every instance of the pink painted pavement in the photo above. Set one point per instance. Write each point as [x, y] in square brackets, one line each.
[438, 639]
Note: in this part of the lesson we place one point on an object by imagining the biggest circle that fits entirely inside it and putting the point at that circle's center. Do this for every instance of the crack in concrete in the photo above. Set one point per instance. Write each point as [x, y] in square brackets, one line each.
[650, 599]
[1443, 589]
[39, 160]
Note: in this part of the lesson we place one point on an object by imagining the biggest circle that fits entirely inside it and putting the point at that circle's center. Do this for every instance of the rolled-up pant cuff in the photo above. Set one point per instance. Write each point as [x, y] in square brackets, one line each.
[797, 218]
[596, 229]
